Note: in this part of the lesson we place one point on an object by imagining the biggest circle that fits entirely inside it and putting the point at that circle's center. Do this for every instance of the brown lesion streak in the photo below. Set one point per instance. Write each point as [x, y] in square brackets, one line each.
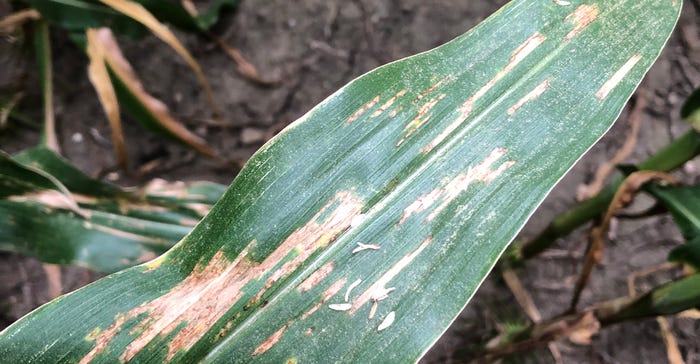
[423, 115]
[270, 341]
[197, 303]
[581, 17]
[465, 110]
[532, 95]
[379, 286]
[432, 88]
[420, 119]
[482, 172]
[370, 104]
[617, 77]
[326, 296]
[316, 277]
[385, 106]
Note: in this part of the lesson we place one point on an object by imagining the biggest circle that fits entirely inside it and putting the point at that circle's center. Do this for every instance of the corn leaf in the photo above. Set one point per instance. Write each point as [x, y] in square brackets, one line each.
[684, 204]
[691, 109]
[100, 78]
[80, 15]
[108, 229]
[150, 112]
[42, 43]
[139, 13]
[360, 232]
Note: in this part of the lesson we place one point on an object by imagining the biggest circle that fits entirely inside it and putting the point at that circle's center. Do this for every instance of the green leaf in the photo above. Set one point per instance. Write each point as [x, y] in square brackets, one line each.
[688, 253]
[109, 229]
[667, 299]
[684, 204]
[19, 179]
[42, 44]
[691, 109]
[79, 15]
[150, 112]
[407, 183]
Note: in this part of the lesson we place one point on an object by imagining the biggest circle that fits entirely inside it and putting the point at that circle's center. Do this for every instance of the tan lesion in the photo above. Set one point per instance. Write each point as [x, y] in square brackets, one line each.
[581, 18]
[370, 104]
[316, 277]
[465, 110]
[215, 285]
[420, 119]
[530, 96]
[617, 77]
[378, 289]
[481, 172]
[329, 293]
[270, 341]
[387, 104]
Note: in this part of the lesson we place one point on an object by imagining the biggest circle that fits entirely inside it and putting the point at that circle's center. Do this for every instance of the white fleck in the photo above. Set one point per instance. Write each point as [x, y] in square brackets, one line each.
[113, 176]
[77, 138]
[562, 2]
[382, 293]
[340, 306]
[361, 247]
[350, 288]
[388, 320]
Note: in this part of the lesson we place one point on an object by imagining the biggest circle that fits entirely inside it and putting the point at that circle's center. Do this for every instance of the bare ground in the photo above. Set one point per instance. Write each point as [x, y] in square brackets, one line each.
[313, 47]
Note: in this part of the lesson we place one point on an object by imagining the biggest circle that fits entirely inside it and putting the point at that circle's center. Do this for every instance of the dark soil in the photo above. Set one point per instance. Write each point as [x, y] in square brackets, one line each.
[313, 47]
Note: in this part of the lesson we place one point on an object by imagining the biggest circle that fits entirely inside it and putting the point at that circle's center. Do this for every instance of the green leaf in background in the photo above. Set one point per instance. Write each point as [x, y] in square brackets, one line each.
[108, 229]
[688, 253]
[79, 15]
[691, 109]
[684, 204]
[361, 231]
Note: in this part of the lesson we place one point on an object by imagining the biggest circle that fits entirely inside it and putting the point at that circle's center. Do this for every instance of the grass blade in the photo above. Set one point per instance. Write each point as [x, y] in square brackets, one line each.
[101, 81]
[43, 54]
[137, 12]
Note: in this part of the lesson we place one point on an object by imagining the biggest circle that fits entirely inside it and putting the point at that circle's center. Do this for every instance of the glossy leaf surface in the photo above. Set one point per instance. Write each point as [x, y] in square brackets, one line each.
[361, 231]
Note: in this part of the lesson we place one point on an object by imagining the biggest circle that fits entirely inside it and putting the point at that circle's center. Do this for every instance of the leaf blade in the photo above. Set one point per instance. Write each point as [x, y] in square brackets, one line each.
[260, 271]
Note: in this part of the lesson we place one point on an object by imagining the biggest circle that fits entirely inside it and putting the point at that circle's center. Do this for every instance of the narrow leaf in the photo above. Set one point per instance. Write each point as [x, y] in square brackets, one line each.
[101, 81]
[137, 12]
[420, 157]
[79, 15]
[684, 204]
[691, 109]
[146, 109]
[688, 253]
[42, 45]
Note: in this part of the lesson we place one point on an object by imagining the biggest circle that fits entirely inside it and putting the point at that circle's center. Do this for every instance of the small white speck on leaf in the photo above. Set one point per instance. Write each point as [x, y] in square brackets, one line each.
[562, 2]
[388, 320]
[340, 306]
[350, 288]
[382, 293]
[361, 247]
